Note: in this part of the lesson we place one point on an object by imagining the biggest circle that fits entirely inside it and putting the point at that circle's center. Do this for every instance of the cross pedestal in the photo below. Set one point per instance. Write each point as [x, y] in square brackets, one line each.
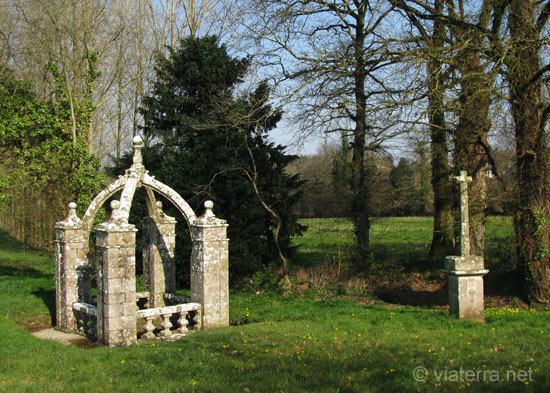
[466, 299]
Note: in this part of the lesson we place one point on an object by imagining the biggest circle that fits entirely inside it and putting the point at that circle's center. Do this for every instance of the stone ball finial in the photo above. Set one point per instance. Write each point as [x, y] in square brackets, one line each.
[115, 205]
[138, 141]
[208, 206]
[72, 218]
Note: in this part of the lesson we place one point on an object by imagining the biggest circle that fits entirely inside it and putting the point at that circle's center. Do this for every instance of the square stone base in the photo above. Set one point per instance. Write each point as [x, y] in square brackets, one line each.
[466, 297]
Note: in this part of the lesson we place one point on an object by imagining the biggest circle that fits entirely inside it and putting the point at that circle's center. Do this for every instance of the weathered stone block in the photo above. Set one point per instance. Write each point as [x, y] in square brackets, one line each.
[464, 263]
[466, 297]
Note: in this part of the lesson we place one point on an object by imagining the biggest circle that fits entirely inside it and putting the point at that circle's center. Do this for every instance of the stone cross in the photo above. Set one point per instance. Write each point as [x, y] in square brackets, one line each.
[463, 179]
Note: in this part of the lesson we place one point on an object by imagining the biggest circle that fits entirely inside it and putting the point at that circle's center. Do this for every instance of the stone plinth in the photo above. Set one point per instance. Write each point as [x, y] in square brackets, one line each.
[210, 268]
[466, 299]
[116, 284]
[72, 282]
[159, 270]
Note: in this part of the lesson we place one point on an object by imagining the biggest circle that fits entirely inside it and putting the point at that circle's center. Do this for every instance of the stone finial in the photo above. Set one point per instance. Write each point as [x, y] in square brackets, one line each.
[159, 213]
[208, 206]
[115, 212]
[138, 145]
[72, 218]
[208, 217]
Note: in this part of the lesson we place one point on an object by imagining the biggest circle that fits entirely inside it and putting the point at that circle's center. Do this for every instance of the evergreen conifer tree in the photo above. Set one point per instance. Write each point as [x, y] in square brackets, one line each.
[208, 144]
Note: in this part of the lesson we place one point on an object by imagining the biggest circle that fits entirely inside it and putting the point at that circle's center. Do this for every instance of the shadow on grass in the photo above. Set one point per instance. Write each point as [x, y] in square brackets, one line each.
[48, 297]
[9, 243]
[403, 294]
[308, 259]
[22, 272]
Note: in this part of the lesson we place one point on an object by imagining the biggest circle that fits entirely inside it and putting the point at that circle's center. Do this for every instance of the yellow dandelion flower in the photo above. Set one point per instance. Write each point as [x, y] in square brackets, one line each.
[121, 362]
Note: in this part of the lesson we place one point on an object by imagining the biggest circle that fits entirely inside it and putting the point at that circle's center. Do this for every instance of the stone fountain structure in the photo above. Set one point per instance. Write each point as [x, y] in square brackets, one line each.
[114, 317]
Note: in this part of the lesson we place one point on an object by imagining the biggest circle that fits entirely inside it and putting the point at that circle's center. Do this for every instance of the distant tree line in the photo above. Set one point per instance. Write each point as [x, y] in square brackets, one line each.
[400, 186]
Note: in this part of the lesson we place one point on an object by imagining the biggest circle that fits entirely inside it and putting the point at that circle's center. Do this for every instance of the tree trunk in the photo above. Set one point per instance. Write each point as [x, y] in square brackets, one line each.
[359, 208]
[443, 233]
[471, 146]
[532, 215]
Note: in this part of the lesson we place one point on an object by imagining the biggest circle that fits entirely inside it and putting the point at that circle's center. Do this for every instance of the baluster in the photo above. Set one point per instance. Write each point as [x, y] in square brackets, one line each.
[166, 325]
[149, 327]
[182, 322]
[197, 320]
[80, 322]
[91, 326]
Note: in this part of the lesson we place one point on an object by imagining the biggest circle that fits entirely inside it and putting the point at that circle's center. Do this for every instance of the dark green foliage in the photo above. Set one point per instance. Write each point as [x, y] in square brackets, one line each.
[40, 162]
[206, 144]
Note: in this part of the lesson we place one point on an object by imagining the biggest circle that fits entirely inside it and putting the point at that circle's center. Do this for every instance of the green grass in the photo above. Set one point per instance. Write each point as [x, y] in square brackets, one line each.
[27, 283]
[287, 344]
[402, 241]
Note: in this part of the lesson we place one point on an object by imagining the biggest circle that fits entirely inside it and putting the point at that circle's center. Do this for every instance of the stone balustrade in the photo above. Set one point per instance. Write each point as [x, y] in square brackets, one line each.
[188, 318]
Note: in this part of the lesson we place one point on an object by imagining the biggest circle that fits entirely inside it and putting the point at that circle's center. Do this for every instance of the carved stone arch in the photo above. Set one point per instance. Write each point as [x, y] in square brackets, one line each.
[150, 183]
[99, 201]
[172, 196]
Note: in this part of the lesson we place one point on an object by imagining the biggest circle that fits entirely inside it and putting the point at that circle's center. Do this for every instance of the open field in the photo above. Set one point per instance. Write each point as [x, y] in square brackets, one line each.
[301, 342]
[405, 241]
[401, 271]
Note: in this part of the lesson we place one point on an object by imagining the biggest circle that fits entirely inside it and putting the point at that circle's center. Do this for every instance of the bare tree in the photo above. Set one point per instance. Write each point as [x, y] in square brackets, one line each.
[124, 37]
[332, 60]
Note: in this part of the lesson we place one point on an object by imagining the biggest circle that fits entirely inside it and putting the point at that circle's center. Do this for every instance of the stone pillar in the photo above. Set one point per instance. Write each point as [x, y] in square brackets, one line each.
[159, 270]
[116, 283]
[72, 274]
[466, 299]
[210, 268]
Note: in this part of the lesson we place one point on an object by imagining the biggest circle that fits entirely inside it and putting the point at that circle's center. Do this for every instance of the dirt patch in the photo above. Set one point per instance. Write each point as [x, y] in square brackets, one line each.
[399, 286]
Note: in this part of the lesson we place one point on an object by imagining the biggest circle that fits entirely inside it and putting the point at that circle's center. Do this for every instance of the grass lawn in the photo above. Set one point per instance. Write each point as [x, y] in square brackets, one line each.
[280, 344]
